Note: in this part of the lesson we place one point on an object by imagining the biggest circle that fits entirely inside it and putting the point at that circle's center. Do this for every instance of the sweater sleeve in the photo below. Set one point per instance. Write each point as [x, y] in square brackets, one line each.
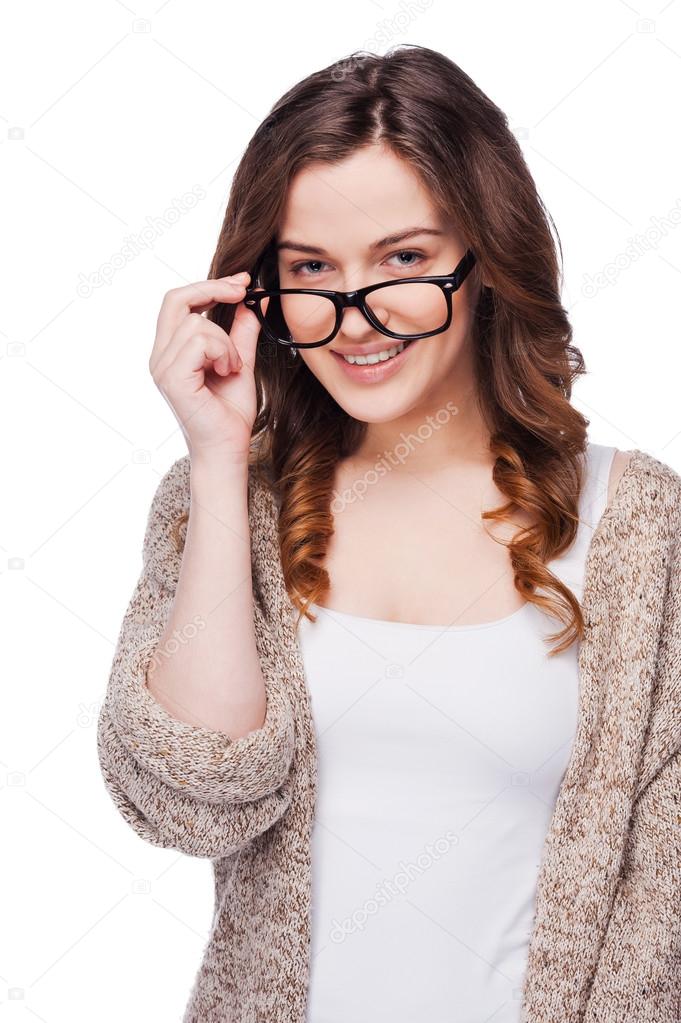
[180, 785]
[638, 975]
[639, 969]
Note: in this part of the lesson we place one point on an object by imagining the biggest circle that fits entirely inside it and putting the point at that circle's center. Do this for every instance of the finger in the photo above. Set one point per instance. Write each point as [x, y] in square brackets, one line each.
[245, 330]
[201, 296]
[191, 326]
[204, 294]
[192, 361]
[230, 362]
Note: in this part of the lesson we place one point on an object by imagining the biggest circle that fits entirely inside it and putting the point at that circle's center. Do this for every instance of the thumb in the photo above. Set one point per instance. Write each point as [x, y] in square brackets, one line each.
[245, 330]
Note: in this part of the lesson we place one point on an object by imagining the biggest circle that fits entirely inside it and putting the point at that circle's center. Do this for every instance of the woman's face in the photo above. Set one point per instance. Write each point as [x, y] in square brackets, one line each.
[341, 211]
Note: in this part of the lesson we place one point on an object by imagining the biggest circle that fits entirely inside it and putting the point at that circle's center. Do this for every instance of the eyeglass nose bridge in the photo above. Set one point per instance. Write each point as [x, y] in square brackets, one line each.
[354, 300]
[350, 299]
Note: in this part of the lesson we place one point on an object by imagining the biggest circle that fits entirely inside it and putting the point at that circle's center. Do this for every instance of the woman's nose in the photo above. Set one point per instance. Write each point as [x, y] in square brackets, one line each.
[355, 324]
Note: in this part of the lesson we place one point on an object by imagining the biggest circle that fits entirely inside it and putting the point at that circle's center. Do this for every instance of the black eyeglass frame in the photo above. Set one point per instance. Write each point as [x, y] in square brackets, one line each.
[449, 283]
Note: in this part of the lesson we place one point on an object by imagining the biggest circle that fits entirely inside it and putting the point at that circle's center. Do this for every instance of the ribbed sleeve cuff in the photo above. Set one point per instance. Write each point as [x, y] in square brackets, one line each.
[197, 761]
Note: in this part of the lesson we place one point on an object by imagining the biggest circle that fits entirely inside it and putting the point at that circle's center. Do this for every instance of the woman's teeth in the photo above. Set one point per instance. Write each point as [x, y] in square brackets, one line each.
[369, 360]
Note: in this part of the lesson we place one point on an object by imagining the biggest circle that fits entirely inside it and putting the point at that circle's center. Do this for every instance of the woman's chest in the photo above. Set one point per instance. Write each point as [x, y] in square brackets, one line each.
[422, 556]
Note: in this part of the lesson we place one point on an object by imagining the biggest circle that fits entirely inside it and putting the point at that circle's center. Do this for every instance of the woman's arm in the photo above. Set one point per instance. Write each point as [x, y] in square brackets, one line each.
[186, 778]
[638, 976]
[206, 670]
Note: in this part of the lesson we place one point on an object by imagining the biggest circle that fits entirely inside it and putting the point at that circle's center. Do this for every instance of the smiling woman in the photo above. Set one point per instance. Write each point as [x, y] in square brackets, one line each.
[419, 800]
[418, 294]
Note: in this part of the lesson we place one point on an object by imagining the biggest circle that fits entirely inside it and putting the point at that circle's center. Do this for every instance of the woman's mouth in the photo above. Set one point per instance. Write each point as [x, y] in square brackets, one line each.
[377, 367]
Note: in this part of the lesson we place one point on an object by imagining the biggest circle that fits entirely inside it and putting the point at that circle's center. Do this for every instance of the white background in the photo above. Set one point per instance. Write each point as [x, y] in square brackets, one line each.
[108, 112]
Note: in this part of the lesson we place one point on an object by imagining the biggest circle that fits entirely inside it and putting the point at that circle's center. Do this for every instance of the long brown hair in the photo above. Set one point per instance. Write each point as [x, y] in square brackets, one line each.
[422, 105]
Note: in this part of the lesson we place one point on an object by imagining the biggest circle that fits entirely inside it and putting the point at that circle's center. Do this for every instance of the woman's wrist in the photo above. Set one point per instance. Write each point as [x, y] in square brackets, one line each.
[214, 471]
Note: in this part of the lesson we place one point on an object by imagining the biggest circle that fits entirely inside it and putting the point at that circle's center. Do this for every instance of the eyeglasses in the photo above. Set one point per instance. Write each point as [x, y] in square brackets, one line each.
[406, 309]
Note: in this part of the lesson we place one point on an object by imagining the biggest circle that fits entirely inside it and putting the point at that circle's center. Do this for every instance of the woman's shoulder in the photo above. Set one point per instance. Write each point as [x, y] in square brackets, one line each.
[619, 463]
[643, 483]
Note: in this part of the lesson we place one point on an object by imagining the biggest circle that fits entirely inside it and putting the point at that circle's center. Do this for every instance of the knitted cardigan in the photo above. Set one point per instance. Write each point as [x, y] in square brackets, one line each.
[606, 940]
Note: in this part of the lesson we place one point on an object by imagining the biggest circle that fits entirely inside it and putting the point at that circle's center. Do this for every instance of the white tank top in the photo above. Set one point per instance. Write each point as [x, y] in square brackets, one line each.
[424, 865]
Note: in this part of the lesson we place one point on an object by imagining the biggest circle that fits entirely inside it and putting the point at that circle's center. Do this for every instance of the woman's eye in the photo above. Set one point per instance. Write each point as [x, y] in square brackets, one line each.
[299, 267]
[408, 252]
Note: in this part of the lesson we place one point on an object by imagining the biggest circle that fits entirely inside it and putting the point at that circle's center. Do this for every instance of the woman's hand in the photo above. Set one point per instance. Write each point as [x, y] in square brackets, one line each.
[204, 373]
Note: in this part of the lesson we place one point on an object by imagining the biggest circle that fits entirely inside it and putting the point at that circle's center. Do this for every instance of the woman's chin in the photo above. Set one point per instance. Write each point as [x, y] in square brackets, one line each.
[379, 406]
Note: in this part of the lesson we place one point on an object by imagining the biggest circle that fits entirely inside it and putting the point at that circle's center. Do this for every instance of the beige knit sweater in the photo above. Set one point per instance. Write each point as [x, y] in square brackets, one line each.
[606, 941]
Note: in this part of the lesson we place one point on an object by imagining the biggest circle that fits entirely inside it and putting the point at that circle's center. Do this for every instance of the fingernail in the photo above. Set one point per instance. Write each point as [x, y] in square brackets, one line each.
[241, 276]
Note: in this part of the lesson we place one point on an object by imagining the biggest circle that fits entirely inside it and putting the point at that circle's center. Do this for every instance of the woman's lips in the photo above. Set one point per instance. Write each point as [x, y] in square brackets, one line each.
[377, 372]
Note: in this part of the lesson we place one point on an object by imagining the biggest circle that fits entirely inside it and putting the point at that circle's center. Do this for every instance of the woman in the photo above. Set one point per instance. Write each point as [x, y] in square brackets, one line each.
[337, 676]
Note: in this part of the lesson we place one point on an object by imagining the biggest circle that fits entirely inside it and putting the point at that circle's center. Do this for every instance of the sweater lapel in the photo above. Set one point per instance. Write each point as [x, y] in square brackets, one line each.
[623, 601]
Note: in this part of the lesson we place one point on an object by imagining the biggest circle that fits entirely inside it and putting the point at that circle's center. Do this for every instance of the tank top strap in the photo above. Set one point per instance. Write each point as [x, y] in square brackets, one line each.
[570, 565]
[594, 496]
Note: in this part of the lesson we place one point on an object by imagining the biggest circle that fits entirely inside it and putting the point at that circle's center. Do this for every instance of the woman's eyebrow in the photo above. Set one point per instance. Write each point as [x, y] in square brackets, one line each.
[382, 243]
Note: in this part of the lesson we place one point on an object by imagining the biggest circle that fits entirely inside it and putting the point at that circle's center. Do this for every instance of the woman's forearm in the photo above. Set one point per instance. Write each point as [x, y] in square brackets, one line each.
[205, 669]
